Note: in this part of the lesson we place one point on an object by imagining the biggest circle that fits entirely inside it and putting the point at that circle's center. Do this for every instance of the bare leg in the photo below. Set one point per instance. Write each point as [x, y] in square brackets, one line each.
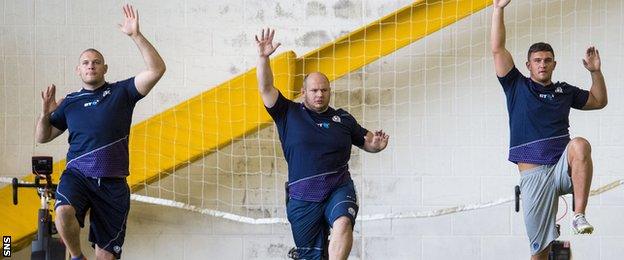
[69, 229]
[341, 239]
[101, 254]
[581, 171]
[542, 255]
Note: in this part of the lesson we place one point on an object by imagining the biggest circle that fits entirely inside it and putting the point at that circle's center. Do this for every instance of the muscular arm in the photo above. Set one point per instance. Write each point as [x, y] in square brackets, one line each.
[45, 132]
[503, 62]
[155, 66]
[268, 92]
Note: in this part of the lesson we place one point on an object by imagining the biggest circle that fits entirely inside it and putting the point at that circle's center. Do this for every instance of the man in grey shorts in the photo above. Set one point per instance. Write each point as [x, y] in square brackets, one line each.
[541, 187]
[550, 163]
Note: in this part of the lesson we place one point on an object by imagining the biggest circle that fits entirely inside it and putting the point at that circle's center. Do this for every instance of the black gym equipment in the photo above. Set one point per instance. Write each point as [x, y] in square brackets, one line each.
[559, 250]
[45, 246]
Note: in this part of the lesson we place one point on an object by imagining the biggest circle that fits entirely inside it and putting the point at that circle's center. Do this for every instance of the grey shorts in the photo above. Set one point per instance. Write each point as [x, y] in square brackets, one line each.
[540, 189]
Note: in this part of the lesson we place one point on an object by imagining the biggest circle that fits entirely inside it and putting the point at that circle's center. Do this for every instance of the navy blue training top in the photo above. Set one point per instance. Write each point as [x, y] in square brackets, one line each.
[317, 147]
[539, 117]
[99, 124]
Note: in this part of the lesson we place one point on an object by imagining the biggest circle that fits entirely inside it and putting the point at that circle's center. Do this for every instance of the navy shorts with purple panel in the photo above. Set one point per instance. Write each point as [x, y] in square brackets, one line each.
[310, 220]
[108, 199]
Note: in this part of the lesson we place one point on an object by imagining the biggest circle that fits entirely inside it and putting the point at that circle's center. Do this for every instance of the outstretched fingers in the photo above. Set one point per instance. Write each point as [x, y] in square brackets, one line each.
[129, 12]
[125, 10]
[48, 92]
[591, 61]
[266, 35]
[594, 52]
[48, 99]
[380, 136]
[132, 13]
[53, 92]
[265, 42]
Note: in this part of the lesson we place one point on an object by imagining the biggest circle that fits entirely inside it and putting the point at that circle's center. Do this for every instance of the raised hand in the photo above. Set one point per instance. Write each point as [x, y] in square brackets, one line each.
[501, 3]
[378, 141]
[48, 97]
[592, 59]
[130, 25]
[265, 43]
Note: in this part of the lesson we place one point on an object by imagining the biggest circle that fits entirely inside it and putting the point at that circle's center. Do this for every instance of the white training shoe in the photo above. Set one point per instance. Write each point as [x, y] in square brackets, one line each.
[580, 224]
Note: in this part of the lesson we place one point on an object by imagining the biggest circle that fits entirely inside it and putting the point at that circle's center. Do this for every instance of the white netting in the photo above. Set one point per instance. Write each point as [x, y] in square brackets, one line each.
[438, 99]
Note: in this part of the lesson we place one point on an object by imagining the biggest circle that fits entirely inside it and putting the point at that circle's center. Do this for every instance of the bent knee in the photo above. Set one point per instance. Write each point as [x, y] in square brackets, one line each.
[579, 147]
[342, 223]
[64, 211]
[103, 254]
[580, 143]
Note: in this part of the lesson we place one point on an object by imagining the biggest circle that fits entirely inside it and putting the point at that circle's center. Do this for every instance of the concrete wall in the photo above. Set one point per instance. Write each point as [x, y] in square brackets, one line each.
[438, 99]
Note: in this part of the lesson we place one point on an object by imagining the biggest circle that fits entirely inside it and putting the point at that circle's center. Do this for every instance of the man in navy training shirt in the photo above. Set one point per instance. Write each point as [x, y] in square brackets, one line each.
[98, 118]
[550, 164]
[316, 140]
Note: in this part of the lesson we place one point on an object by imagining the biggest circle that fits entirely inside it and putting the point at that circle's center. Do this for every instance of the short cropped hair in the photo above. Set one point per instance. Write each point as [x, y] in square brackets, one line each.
[92, 50]
[540, 46]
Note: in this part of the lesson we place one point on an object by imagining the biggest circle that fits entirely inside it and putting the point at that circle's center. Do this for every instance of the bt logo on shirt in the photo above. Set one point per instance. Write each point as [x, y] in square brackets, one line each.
[547, 96]
[323, 125]
[92, 103]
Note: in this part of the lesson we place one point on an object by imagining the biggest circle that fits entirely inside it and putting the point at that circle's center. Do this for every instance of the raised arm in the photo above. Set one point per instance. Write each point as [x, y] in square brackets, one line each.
[598, 91]
[268, 92]
[155, 66]
[375, 142]
[44, 131]
[503, 62]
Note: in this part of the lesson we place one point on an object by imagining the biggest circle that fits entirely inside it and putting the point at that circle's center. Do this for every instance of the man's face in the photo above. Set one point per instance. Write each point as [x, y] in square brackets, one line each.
[541, 65]
[316, 93]
[91, 68]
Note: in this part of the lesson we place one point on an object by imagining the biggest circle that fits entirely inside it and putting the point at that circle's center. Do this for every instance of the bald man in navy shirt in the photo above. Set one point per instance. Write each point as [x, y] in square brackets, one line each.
[316, 140]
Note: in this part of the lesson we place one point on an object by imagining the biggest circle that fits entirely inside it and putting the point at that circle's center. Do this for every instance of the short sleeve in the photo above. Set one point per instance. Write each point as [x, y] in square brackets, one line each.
[57, 118]
[130, 88]
[579, 97]
[357, 134]
[279, 109]
[357, 131]
[509, 81]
